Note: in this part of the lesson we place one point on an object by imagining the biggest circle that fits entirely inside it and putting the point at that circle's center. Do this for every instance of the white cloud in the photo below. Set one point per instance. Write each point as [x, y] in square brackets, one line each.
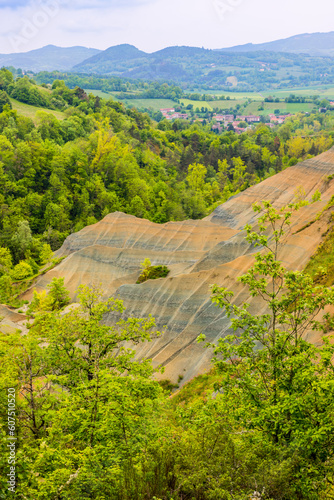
[154, 24]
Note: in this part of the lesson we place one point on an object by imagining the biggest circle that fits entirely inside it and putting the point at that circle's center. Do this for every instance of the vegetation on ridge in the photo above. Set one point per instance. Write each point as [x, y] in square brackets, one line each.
[150, 272]
[58, 176]
[92, 423]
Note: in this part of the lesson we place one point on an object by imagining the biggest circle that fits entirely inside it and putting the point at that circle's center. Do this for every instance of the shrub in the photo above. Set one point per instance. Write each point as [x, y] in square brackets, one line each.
[21, 271]
[153, 273]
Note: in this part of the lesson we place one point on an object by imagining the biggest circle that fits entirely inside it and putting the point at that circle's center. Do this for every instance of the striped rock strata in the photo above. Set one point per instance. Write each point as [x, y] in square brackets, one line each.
[199, 253]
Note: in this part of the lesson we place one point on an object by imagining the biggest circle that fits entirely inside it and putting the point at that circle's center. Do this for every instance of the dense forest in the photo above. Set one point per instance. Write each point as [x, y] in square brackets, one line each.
[57, 176]
[92, 422]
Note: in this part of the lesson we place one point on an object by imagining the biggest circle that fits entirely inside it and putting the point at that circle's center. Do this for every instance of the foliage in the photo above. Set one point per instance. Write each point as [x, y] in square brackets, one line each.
[92, 422]
[81, 424]
[4, 101]
[321, 265]
[161, 74]
[21, 271]
[6, 288]
[56, 299]
[5, 261]
[150, 272]
[46, 254]
[273, 380]
[59, 295]
[57, 176]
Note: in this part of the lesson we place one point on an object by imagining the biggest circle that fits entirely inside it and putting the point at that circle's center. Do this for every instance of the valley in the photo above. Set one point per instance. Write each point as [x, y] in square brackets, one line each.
[166, 290]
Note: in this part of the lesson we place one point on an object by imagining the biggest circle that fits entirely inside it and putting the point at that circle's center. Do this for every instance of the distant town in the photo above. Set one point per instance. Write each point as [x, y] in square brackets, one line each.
[235, 122]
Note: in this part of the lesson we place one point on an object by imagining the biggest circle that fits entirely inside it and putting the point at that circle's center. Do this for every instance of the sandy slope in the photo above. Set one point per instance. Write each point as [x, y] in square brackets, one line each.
[198, 253]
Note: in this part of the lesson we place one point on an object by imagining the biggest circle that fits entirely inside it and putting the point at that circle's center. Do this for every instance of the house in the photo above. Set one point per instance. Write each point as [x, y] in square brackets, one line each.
[167, 111]
[171, 114]
[252, 119]
[224, 118]
[278, 120]
[183, 116]
[176, 116]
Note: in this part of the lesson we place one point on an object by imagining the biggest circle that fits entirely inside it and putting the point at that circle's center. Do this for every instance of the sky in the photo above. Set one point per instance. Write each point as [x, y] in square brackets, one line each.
[151, 25]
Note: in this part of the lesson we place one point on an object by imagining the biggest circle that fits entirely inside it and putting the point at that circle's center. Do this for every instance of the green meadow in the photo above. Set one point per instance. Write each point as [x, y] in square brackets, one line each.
[30, 111]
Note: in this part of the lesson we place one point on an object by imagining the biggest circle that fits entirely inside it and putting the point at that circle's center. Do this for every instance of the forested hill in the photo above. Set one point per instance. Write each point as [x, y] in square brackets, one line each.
[86, 418]
[60, 175]
[254, 69]
[299, 61]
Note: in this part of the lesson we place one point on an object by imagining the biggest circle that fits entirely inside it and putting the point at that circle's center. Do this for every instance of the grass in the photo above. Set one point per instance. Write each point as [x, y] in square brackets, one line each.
[199, 104]
[233, 95]
[99, 93]
[210, 105]
[30, 111]
[227, 104]
[155, 104]
[325, 91]
[236, 98]
[284, 107]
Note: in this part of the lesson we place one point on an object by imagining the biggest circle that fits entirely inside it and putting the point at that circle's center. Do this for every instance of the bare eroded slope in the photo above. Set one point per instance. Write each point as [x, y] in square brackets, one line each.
[198, 253]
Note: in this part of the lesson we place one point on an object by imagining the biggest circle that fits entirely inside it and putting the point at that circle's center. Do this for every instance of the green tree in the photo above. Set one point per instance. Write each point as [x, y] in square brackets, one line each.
[274, 380]
[4, 101]
[5, 261]
[196, 176]
[6, 288]
[58, 294]
[22, 240]
[46, 254]
[137, 207]
[239, 172]
[145, 267]
[86, 408]
[56, 299]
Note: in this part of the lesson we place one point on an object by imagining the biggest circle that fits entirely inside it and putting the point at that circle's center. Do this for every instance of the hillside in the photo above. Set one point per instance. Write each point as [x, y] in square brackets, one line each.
[280, 64]
[30, 111]
[103, 196]
[315, 44]
[47, 58]
[253, 69]
[116, 54]
[198, 253]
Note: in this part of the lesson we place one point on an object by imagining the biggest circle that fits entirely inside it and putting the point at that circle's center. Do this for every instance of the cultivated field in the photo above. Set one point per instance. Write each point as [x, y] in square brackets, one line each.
[155, 104]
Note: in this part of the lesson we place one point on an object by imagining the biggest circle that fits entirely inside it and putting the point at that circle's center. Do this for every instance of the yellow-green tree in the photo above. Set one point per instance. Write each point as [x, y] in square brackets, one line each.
[196, 176]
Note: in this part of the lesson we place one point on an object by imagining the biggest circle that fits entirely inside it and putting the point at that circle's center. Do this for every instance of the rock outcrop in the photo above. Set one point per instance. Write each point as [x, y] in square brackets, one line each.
[199, 253]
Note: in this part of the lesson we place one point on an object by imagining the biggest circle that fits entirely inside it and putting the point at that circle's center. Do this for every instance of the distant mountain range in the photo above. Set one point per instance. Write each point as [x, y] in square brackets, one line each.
[48, 58]
[314, 44]
[298, 60]
[247, 67]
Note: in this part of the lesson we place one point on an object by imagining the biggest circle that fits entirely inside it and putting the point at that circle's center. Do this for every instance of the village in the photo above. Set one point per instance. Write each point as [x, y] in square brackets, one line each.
[238, 123]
